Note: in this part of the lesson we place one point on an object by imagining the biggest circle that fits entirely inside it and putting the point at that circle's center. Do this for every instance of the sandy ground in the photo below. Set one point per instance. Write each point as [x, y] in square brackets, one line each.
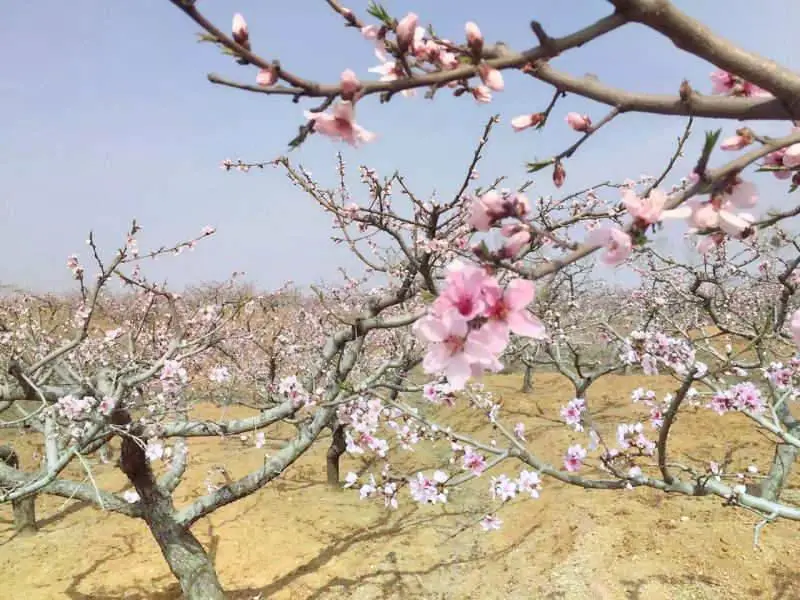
[297, 539]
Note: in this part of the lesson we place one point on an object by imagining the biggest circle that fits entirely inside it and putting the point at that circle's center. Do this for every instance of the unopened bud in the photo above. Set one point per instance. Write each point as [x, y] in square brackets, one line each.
[267, 77]
[474, 38]
[559, 174]
[240, 33]
[405, 31]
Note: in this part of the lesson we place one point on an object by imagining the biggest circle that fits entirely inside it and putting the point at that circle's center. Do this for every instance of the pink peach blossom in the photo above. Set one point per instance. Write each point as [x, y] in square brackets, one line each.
[486, 209]
[523, 122]
[736, 142]
[723, 82]
[350, 84]
[391, 70]
[507, 311]
[791, 158]
[267, 77]
[617, 243]
[340, 124]
[647, 209]
[453, 348]
[482, 94]
[406, 30]
[573, 460]
[709, 215]
[517, 237]
[578, 122]
[464, 292]
[776, 159]
[742, 194]
[370, 32]
[491, 77]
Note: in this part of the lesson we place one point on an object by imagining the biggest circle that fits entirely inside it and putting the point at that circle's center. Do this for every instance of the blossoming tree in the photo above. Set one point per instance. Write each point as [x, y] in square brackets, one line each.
[458, 278]
[484, 299]
[132, 368]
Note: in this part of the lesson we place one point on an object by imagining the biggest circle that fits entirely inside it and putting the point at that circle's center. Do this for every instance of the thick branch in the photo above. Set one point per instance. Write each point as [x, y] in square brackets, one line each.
[692, 36]
[248, 484]
[696, 105]
[69, 489]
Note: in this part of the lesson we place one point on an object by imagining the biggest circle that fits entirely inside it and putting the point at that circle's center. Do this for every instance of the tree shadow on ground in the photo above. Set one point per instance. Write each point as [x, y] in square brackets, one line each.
[172, 592]
[390, 579]
[634, 589]
[787, 584]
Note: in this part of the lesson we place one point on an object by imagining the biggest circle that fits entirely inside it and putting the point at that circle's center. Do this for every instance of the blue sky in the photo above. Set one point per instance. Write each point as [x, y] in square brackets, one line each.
[107, 115]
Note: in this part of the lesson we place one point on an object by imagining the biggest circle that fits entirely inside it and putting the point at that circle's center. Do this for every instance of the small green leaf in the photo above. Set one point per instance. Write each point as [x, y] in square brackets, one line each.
[206, 37]
[538, 166]
[379, 12]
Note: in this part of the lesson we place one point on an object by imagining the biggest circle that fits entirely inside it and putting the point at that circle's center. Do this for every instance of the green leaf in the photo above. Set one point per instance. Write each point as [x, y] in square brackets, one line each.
[206, 37]
[712, 137]
[538, 166]
[377, 11]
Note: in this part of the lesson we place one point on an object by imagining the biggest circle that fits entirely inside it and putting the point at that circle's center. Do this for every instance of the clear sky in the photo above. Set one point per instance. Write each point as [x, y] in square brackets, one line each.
[107, 115]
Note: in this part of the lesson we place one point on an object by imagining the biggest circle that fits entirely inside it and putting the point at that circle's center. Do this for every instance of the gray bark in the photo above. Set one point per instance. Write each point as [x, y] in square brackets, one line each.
[782, 461]
[24, 509]
[527, 380]
[335, 451]
[185, 555]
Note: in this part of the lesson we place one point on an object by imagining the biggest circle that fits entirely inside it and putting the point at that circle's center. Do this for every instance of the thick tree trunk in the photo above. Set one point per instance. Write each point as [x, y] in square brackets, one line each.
[185, 555]
[782, 461]
[527, 380]
[772, 486]
[335, 451]
[24, 509]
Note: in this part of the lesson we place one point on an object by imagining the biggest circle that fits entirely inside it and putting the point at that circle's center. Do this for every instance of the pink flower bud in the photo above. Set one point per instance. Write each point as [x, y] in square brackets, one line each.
[482, 94]
[370, 32]
[736, 142]
[522, 122]
[559, 174]
[579, 122]
[491, 77]
[474, 37]
[516, 238]
[350, 84]
[267, 77]
[240, 33]
[791, 158]
[405, 31]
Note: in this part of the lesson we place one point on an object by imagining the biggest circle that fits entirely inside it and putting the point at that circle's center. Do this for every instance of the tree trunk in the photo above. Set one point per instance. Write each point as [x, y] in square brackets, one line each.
[527, 380]
[185, 555]
[782, 461]
[24, 509]
[335, 451]
[25, 515]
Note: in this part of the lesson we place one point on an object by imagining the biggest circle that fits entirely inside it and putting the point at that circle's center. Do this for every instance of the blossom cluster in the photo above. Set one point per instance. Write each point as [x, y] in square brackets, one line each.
[743, 396]
[651, 349]
[469, 325]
